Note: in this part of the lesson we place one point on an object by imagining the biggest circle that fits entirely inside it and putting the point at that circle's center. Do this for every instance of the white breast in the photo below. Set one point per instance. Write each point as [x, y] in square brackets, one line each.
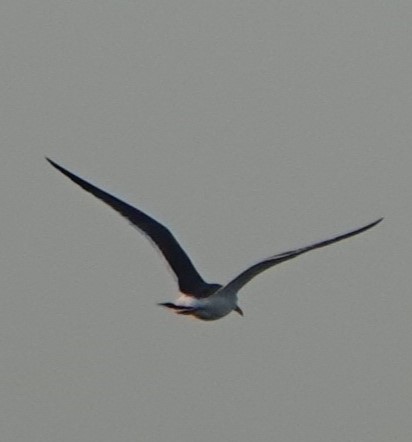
[214, 307]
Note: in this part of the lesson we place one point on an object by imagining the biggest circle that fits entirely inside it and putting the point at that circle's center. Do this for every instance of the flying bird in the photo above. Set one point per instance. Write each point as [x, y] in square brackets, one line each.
[198, 298]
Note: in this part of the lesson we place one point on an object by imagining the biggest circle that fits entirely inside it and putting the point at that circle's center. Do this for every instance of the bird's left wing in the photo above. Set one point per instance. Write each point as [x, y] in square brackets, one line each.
[242, 279]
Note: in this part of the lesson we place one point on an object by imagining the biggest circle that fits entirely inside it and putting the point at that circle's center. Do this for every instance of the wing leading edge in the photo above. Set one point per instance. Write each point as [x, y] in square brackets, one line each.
[189, 280]
[237, 283]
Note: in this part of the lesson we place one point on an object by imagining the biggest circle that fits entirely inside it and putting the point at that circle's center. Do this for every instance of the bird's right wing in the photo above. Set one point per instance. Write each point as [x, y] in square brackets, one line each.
[189, 280]
[242, 279]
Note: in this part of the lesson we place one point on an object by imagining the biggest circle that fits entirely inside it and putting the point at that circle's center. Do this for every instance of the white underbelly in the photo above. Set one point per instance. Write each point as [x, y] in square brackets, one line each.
[213, 307]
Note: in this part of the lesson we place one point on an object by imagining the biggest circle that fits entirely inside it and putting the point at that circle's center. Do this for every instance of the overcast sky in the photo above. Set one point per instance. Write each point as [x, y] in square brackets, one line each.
[248, 128]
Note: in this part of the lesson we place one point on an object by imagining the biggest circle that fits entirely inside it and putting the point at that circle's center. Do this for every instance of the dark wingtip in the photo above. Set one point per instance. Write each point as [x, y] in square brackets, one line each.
[379, 220]
[79, 181]
[53, 163]
[56, 166]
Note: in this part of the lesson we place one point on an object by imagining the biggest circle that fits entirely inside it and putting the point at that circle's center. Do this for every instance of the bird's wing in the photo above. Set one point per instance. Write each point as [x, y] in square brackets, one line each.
[189, 280]
[242, 279]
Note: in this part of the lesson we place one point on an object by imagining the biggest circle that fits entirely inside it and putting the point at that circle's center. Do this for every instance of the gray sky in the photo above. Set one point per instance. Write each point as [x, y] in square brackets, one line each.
[248, 128]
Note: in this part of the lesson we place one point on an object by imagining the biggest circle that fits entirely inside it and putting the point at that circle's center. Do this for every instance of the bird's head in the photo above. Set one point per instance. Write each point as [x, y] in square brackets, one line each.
[239, 310]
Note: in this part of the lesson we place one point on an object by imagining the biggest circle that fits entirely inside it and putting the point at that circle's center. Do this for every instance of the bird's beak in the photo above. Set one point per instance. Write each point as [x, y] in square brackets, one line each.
[239, 310]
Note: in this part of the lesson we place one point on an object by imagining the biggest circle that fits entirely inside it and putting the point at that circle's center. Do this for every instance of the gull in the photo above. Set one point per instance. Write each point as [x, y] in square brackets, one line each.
[198, 298]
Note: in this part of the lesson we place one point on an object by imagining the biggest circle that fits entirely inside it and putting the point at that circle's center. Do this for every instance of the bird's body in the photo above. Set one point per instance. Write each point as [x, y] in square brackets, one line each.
[213, 307]
[197, 298]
